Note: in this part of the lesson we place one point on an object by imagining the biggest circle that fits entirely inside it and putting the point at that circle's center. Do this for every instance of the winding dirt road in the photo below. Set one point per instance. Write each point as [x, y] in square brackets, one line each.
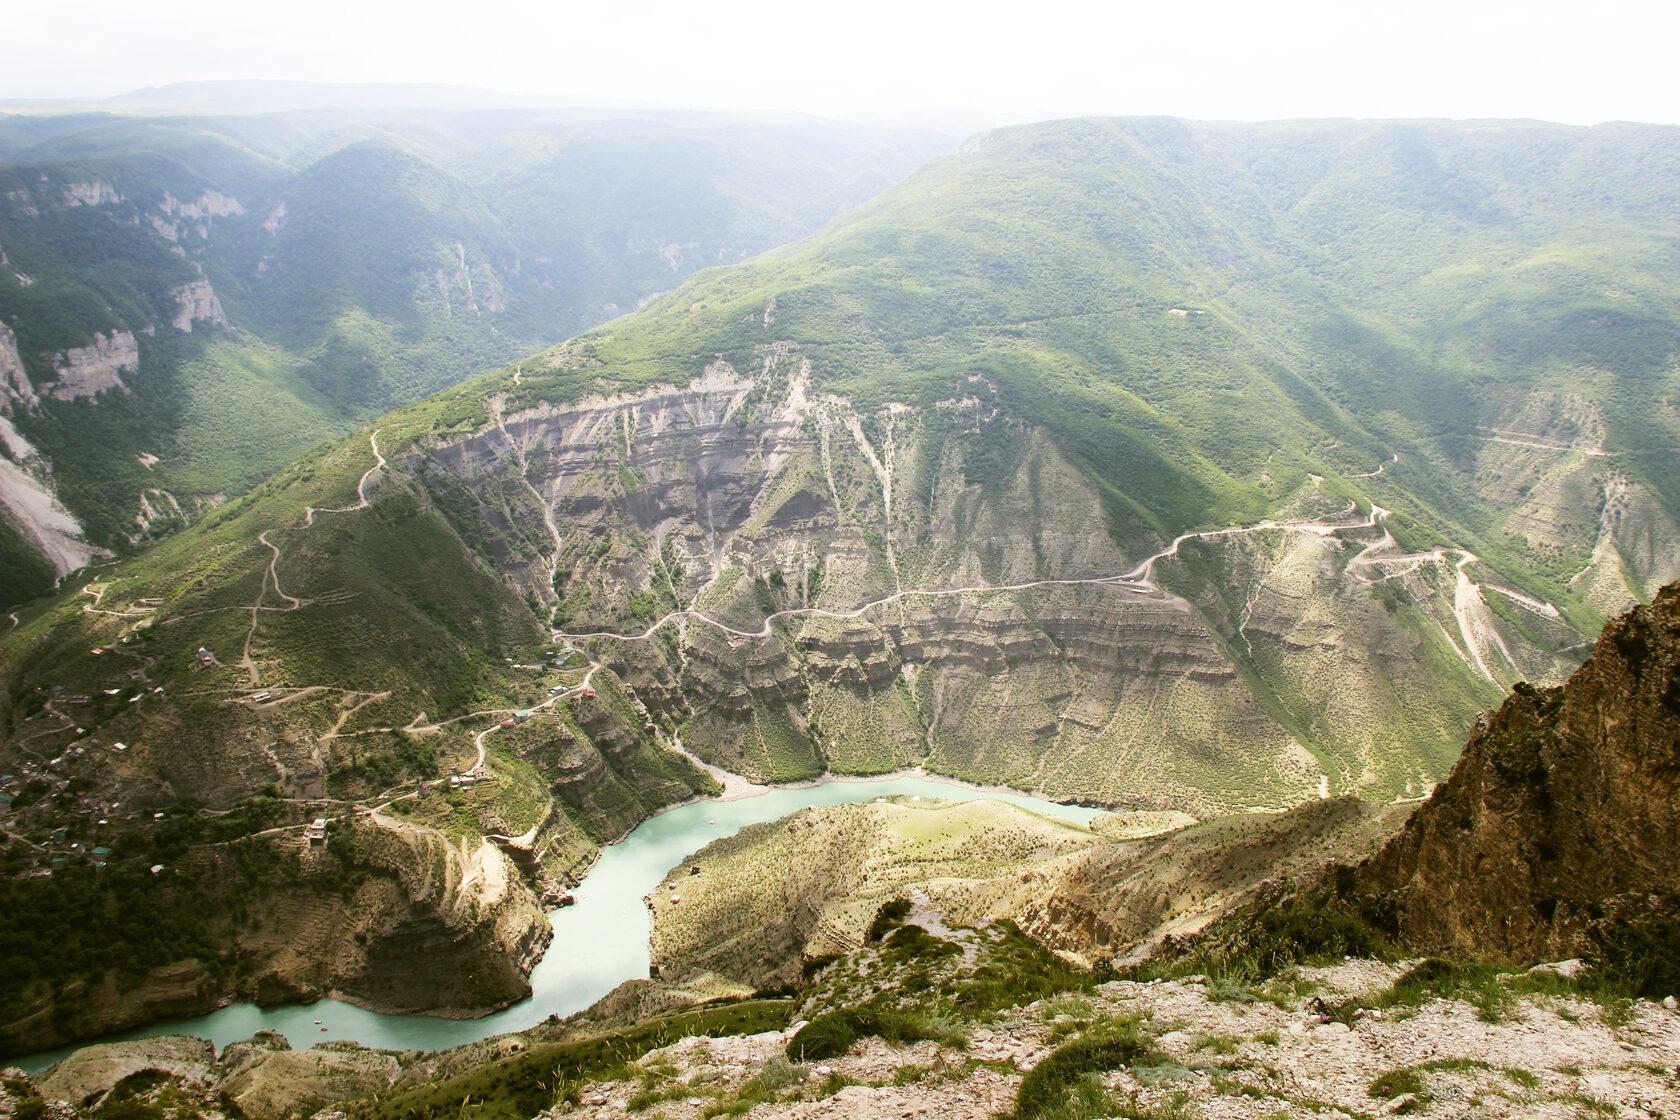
[1139, 579]
[271, 575]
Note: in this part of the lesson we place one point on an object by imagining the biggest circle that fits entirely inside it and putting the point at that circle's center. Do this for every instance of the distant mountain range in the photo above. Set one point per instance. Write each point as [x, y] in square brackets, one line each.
[250, 97]
[188, 302]
[246, 98]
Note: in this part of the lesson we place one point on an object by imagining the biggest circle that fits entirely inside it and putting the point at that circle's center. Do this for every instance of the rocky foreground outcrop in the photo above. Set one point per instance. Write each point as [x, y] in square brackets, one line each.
[1210, 1056]
[1560, 822]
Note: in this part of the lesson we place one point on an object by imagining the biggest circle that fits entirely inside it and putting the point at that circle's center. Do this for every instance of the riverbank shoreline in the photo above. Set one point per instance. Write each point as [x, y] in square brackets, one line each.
[595, 945]
[737, 787]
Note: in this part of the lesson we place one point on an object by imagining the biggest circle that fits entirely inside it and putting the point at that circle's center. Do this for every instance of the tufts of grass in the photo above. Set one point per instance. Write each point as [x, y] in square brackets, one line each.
[1486, 986]
[831, 1034]
[1084, 1098]
[524, 1084]
[1064, 1081]
[1018, 970]
[1223, 1045]
[1409, 1080]
[1071, 1006]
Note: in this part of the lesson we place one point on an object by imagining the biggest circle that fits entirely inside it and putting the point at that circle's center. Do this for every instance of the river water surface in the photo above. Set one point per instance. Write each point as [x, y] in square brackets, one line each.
[598, 943]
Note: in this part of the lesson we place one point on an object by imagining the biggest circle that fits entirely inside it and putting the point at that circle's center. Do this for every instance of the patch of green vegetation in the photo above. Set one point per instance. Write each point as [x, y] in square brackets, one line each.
[1071, 1006]
[1240, 955]
[523, 1084]
[1486, 985]
[1306, 931]
[24, 573]
[832, 1033]
[1017, 970]
[382, 761]
[1639, 957]
[1047, 1087]
[123, 920]
[1221, 1044]
[777, 747]
[1409, 1081]
[889, 917]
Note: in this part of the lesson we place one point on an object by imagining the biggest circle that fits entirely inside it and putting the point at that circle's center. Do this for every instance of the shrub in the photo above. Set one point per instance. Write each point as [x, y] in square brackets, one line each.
[831, 1034]
[1049, 1084]
[1639, 958]
[1303, 931]
[889, 917]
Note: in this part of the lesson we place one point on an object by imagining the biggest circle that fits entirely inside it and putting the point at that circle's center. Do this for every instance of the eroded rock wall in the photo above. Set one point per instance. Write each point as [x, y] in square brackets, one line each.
[1563, 813]
[793, 585]
[424, 926]
[87, 371]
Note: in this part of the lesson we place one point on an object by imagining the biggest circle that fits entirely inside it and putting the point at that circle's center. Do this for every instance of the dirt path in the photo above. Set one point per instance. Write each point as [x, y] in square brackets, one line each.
[271, 575]
[1535, 605]
[1378, 471]
[1479, 637]
[1540, 443]
[309, 512]
[98, 592]
[344, 716]
[1139, 580]
[575, 690]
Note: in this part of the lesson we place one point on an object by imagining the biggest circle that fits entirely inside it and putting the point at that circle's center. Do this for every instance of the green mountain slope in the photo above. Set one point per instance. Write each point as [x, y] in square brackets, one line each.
[1161, 465]
[331, 265]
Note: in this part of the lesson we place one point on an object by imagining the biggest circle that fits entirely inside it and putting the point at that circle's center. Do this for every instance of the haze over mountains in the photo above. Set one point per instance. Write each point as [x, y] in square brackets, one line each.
[191, 301]
[355, 99]
[1193, 468]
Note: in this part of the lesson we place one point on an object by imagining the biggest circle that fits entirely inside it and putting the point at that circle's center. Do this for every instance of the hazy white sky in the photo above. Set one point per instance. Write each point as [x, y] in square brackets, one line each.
[1579, 63]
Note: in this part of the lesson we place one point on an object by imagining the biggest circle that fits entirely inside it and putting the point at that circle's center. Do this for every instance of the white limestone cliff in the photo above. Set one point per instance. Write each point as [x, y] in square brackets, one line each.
[197, 303]
[16, 392]
[86, 371]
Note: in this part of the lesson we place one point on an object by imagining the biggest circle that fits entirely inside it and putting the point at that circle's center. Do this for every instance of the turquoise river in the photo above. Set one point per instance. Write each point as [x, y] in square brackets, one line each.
[598, 943]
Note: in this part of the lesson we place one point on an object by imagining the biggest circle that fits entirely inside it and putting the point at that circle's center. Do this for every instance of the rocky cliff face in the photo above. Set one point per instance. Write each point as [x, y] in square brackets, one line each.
[1560, 819]
[797, 585]
[94, 193]
[16, 390]
[31, 508]
[87, 371]
[197, 303]
[428, 926]
[460, 916]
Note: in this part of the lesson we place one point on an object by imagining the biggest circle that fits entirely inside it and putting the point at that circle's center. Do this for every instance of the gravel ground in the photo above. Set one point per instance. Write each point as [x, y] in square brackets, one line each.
[1546, 1057]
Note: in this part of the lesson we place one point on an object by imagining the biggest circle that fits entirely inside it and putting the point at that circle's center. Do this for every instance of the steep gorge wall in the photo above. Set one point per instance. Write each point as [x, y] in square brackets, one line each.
[1561, 819]
[826, 580]
[428, 928]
